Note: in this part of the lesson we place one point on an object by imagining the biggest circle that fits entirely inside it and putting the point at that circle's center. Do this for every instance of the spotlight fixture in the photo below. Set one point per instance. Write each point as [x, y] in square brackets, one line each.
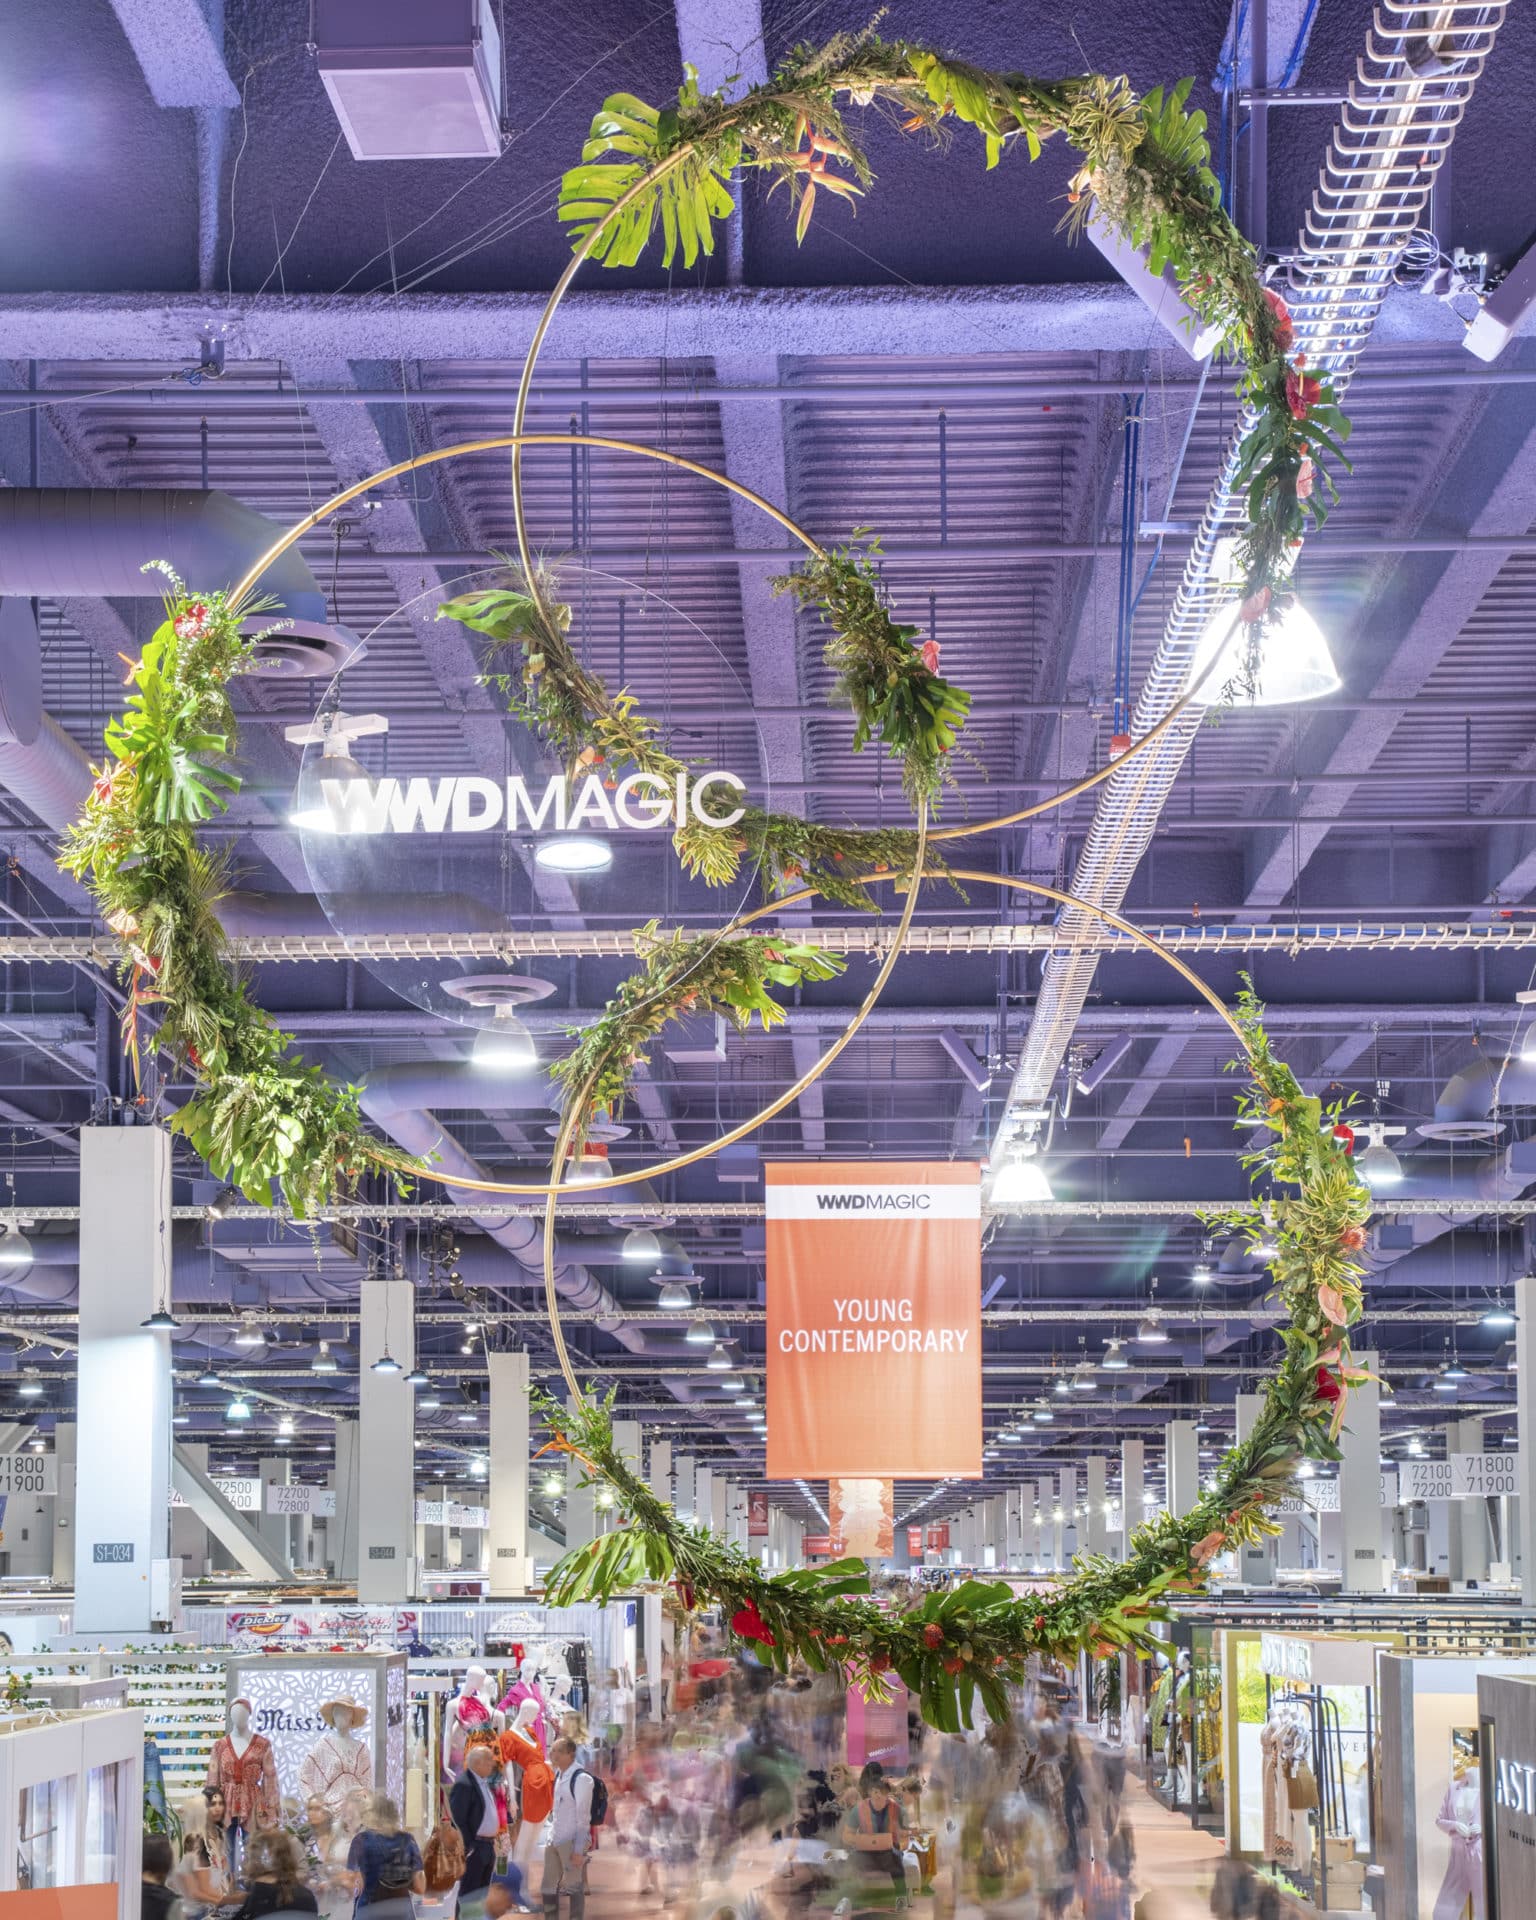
[1377, 1165]
[641, 1245]
[573, 853]
[1061, 1386]
[505, 1043]
[160, 1321]
[1415, 1445]
[15, 1247]
[1043, 1415]
[344, 809]
[238, 1409]
[1454, 1370]
[386, 1363]
[1442, 1383]
[719, 1360]
[324, 1361]
[1082, 1378]
[1114, 1360]
[674, 1297]
[700, 1334]
[416, 1378]
[1151, 1332]
[1021, 1179]
[222, 1204]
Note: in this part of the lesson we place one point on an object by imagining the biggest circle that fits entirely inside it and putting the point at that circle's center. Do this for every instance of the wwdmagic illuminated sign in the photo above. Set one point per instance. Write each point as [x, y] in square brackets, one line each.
[469, 803]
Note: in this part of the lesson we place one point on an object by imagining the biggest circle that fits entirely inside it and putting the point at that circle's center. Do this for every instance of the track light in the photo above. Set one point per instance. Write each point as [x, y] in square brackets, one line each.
[324, 1361]
[505, 1043]
[222, 1204]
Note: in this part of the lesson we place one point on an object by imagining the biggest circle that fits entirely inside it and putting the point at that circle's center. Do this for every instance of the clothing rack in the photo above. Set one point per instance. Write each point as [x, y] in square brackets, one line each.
[1326, 1728]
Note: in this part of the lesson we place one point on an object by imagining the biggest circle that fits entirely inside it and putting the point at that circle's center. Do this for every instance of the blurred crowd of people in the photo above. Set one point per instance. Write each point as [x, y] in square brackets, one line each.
[742, 1804]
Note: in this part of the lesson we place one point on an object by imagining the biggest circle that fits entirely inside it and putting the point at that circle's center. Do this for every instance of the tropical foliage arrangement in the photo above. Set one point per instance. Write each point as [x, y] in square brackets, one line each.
[266, 1120]
[262, 1118]
[972, 1641]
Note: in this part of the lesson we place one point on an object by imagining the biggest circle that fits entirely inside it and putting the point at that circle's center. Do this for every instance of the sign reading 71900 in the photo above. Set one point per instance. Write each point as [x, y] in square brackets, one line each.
[29, 1473]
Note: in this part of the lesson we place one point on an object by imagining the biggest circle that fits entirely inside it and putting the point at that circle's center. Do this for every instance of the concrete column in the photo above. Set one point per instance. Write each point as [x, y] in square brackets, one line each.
[580, 1506]
[189, 1537]
[1363, 1568]
[1037, 1522]
[123, 1441]
[386, 1516]
[64, 1502]
[661, 1470]
[1255, 1564]
[1133, 1484]
[1471, 1528]
[341, 1530]
[1097, 1530]
[1066, 1500]
[703, 1497]
[511, 1565]
[1182, 1444]
[686, 1477]
[275, 1528]
[626, 1438]
[717, 1513]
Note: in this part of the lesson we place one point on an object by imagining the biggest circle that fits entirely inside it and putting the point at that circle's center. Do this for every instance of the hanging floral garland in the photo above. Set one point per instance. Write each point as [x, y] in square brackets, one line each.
[972, 1641]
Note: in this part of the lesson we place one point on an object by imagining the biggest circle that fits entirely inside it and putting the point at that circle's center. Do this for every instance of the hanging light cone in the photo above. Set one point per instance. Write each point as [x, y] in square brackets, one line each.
[313, 810]
[505, 1043]
[1377, 1165]
[1021, 1179]
[1293, 660]
[641, 1246]
[324, 1361]
[15, 1247]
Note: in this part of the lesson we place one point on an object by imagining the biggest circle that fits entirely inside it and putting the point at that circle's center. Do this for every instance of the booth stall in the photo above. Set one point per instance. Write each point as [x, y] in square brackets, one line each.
[1506, 1724]
[71, 1804]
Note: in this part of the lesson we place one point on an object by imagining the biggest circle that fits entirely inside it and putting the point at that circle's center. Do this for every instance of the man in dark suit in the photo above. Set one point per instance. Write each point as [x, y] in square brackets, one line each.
[472, 1805]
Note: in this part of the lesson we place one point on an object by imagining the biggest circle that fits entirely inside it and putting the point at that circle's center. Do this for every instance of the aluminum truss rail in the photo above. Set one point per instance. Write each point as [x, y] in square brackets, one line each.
[1284, 937]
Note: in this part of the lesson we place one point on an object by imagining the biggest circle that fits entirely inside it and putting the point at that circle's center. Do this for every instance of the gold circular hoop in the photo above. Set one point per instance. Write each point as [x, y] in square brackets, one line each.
[517, 441]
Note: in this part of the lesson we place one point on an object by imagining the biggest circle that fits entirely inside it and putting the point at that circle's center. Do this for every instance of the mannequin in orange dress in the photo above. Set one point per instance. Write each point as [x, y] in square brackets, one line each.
[521, 1747]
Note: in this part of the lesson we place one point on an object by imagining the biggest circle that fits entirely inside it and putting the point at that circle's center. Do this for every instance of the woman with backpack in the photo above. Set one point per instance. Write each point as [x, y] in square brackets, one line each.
[385, 1860]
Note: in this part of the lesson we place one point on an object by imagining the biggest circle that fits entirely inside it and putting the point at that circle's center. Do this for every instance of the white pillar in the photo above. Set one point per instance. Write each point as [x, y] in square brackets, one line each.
[275, 1528]
[1097, 1530]
[386, 1476]
[123, 1439]
[1471, 1514]
[64, 1502]
[703, 1496]
[511, 1568]
[1363, 1568]
[1255, 1563]
[717, 1514]
[1524, 1519]
[686, 1494]
[1182, 1443]
[1037, 1494]
[661, 1470]
[1066, 1500]
[580, 1506]
[341, 1528]
[1133, 1485]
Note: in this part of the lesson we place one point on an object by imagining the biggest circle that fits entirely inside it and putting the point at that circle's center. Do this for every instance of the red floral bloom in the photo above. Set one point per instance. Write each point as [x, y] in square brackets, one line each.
[879, 1663]
[192, 622]
[1345, 1137]
[1353, 1238]
[930, 655]
[953, 1664]
[1254, 607]
[933, 1635]
[685, 1594]
[747, 1624]
[1302, 392]
[1285, 329]
[1306, 474]
[1327, 1387]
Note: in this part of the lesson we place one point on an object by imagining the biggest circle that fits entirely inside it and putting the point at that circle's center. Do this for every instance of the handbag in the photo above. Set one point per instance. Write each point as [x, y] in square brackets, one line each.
[442, 1858]
[1301, 1789]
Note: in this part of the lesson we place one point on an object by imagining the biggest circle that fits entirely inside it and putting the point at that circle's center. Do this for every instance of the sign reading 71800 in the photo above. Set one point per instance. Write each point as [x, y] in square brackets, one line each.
[29, 1473]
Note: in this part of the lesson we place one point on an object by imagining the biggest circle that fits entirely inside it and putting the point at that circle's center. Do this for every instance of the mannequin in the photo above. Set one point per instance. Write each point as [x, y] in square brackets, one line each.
[1461, 1817]
[522, 1747]
[243, 1768]
[526, 1687]
[470, 1709]
[338, 1764]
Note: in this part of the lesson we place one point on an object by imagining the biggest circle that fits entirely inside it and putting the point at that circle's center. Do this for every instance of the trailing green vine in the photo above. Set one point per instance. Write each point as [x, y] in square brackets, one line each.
[972, 1641]
[261, 1117]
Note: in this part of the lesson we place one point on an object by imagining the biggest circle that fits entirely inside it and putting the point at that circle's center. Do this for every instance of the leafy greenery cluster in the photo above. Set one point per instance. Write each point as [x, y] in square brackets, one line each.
[261, 1118]
[972, 1641]
[1145, 173]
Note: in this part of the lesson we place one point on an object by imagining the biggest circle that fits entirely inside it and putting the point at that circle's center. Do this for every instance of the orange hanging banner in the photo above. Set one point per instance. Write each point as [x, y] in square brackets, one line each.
[874, 1319]
[859, 1512]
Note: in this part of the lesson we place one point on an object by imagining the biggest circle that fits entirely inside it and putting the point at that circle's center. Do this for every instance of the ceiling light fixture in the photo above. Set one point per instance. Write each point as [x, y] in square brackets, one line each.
[345, 808]
[160, 1321]
[1498, 1319]
[238, 1409]
[1286, 661]
[674, 1297]
[1377, 1165]
[589, 1167]
[1151, 1332]
[248, 1333]
[554, 1486]
[719, 1360]
[31, 1388]
[1114, 1360]
[15, 1247]
[1021, 1179]
[504, 1043]
[428, 1403]
[640, 1244]
[573, 853]
[416, 1378]
[386, 1363]
[701, 1333]
[323, 1362]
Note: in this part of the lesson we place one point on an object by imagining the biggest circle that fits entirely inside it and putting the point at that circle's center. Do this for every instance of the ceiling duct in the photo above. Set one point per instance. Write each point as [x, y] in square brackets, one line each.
[60, 543]
[1391, 141]
[412, 79]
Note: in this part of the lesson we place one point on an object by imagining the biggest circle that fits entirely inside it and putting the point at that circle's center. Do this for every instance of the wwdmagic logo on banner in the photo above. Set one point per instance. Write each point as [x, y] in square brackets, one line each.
[874, 1320]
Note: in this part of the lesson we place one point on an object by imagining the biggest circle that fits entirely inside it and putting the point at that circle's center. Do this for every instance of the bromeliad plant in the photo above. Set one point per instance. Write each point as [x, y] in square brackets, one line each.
[971, 1642]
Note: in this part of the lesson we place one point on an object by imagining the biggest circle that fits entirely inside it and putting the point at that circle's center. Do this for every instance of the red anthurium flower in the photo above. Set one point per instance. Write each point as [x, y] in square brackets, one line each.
[933, 1635]
[1302, 392]
[879, 1663]
[1327, 1387]
[1285, 329]
[747, 1624]
[953, 1664]
[1306, 474]
[930, 655]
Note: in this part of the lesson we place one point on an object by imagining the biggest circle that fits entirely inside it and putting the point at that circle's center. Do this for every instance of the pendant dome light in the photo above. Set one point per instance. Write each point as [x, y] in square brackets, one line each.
[1377, 1165]
[15, 1247]
[344, 808]
[1021, 1180]
[505, 1043]
[1114, 1360]
[589, 1167]
[701, 1333]
[238, 1409]
[674, 1297]
[324, 1361]
[641, 1246]
[1287, 662]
